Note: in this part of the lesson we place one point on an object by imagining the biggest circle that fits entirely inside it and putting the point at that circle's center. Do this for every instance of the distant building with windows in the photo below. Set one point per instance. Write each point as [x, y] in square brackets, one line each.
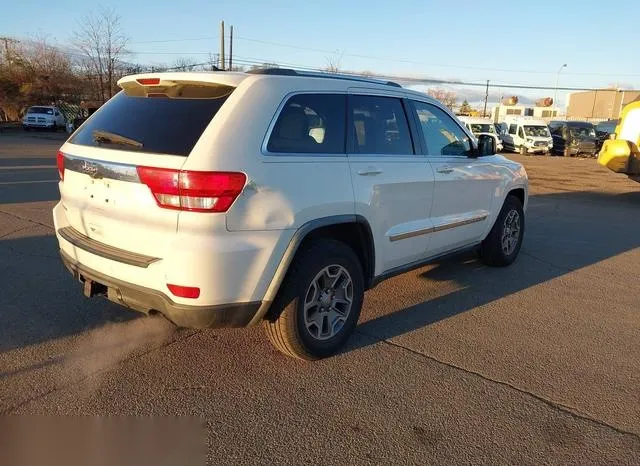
[500, 112]
[601, 104]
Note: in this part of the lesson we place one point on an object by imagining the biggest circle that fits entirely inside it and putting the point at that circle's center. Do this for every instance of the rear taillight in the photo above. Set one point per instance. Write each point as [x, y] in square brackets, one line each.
[192, 190]
[184, 291]
[60, 164]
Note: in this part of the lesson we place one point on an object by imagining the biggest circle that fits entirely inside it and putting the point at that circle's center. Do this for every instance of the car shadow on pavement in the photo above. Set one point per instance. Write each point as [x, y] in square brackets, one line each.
[564, 232]
[40, 300]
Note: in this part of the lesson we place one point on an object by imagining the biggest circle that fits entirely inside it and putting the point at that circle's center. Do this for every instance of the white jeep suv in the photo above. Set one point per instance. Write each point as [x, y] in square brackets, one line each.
[228, 199]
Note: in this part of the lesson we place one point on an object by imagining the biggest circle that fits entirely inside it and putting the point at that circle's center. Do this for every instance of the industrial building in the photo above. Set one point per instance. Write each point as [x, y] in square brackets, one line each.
[601, 104]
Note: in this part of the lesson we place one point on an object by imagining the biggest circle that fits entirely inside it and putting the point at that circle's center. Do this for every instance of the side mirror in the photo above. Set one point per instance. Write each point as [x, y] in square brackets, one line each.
[486, 145]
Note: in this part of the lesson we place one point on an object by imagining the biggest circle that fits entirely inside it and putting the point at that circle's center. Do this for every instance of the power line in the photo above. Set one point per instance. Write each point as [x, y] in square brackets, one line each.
[252, 61]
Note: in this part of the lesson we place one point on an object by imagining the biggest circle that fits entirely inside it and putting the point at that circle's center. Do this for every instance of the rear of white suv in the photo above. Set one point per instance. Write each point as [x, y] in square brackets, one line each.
[141, 216]
[228, 199]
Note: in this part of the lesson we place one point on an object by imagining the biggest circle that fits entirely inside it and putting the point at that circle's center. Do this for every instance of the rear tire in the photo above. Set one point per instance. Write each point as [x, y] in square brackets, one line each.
[502, 245]
[310, 319]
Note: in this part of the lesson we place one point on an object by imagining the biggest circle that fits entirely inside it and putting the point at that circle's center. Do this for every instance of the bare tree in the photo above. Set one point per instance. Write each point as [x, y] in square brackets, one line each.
[448, 98]
[334, 64]
[184, 64]
[38, 73]
[102, 43]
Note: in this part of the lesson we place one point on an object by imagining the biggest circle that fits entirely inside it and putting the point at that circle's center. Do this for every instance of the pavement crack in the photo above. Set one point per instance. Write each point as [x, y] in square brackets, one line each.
[14, 231]
[80, 380]
[27, 220]
[570, 410]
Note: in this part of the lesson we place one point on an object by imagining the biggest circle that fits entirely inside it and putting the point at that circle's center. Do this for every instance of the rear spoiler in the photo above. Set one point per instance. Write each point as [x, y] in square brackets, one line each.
[181, 85]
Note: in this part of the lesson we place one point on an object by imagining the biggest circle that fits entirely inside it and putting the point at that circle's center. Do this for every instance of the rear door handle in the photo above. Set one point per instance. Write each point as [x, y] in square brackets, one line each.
[369, 171]
[444, 170]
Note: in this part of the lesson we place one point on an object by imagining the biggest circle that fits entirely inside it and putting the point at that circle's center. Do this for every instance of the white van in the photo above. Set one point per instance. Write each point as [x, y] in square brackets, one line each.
[527, 136]
[480, 126]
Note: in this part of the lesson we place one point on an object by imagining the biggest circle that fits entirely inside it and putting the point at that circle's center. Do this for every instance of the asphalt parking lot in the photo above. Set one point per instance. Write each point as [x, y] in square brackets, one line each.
[452, 363]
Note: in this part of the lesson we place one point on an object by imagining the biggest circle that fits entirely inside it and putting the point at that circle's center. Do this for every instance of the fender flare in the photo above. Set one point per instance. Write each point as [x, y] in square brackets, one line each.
[293, 247]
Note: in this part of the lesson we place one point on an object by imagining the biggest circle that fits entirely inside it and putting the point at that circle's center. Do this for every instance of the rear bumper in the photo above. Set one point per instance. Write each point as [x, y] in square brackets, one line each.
[146, 300]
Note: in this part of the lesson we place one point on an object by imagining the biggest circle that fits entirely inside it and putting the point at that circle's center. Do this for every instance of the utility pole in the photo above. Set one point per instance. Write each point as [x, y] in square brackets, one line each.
[230, 48]
[222, 45]
[486, 98]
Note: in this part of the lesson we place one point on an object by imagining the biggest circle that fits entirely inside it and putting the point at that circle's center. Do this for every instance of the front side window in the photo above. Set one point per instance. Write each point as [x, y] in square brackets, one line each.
[310, 124]
[379, 126]
[441, 133]
[520, 132]
[40, 110]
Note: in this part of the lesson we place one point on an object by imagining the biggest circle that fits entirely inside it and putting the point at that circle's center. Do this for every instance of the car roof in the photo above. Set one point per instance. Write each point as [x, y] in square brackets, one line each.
[579, 123]
[469, 119]
[335, 81]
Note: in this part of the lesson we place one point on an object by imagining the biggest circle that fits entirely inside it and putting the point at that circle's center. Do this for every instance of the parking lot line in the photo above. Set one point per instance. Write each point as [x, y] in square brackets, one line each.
[2, 183]
[27, 167]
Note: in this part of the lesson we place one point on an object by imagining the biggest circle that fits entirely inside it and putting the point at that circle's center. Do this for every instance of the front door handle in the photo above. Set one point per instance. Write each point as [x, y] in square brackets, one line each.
[369, 171]
[444, 170]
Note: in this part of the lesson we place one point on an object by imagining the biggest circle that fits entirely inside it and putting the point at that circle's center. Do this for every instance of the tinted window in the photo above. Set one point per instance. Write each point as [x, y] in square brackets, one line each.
[512, 129]
[442, 134]
[379, 126]
[310, 124]
[520, 132]
[162, 125]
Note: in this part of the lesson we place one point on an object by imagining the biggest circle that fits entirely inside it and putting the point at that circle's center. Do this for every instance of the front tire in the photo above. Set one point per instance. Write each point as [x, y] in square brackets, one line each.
[523, 151]
[319, 303]
[502, 245]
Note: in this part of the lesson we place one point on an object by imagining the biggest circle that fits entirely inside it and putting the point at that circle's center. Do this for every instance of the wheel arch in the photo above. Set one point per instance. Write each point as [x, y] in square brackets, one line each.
[353, 230]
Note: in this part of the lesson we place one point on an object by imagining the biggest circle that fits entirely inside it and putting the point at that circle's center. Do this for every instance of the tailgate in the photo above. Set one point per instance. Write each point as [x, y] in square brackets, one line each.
[105, 200]
[141, 137]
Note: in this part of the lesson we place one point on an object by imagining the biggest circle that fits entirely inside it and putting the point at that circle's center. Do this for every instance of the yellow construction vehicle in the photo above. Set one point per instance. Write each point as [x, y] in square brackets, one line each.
[621, 153]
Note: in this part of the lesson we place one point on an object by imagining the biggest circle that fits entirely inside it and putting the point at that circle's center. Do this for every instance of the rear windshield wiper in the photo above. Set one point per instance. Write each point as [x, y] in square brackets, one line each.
[105, 137]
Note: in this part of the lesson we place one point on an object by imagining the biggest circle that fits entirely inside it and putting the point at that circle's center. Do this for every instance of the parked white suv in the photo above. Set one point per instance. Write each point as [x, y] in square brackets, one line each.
[43, 116]
[227, 199]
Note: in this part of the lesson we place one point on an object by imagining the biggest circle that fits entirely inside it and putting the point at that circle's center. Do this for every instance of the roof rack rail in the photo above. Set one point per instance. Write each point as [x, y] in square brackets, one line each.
[320, 74]
[274, 71]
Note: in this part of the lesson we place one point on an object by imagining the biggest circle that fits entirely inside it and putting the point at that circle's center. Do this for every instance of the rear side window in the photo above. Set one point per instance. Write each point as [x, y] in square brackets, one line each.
[379, 126]
[310, 124]
[159, 125]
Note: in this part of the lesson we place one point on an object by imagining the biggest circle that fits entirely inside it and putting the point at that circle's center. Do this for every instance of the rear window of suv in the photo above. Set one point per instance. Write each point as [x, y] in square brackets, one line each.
[159, 125]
